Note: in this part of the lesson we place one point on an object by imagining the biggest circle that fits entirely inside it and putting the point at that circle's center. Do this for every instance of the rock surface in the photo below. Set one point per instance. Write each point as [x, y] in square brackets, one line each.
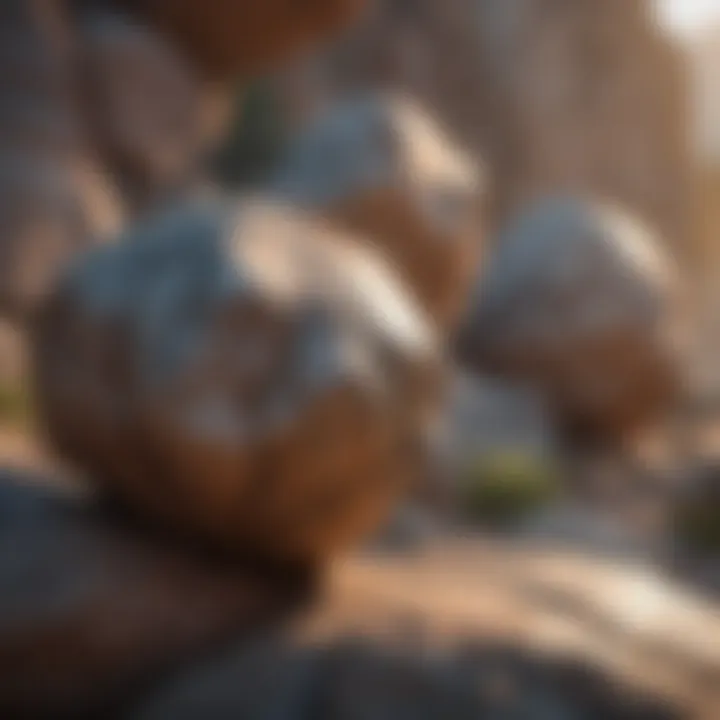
[578, 302]
[54, 199]
[243, 373]
[151, 116]
[107, 108]
[380, 166]
[91, 610]
[471, 630]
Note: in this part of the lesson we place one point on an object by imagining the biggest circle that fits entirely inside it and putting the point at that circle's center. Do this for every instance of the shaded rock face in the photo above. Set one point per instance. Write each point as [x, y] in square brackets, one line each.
[151, 116]
[553, 95]
[242, 373]
[53, 196]
[91, 610]
[379, 165]
[578, 302]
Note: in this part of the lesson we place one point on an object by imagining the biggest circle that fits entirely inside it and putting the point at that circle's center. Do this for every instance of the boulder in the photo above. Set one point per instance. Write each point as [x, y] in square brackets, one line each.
[242, 373]
[578, 302]
[92, 609]
[379, 165]
[246, 37]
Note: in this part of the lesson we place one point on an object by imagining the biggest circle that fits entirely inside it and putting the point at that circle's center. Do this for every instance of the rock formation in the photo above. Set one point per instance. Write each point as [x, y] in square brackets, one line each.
[107, 108]
[552, 95]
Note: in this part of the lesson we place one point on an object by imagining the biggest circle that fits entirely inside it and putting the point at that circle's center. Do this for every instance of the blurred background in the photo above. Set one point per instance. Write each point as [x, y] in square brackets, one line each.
[545, 177]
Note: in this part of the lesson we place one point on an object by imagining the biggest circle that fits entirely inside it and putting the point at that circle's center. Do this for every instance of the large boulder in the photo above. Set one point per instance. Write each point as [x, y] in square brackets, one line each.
[92, 609]
[245, 37]
[242, 373]
[380, 165]
[578, 302]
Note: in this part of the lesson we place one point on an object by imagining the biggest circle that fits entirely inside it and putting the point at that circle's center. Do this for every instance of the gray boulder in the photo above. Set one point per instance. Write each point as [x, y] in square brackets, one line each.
[242, 373]
[578, 301]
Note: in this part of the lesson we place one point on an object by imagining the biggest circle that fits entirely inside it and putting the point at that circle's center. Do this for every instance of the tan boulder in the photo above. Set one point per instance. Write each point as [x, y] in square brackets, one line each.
[381, 166]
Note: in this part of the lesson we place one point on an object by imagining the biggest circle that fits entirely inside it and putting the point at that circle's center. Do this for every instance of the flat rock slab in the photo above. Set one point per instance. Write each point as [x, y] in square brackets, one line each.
[91, 610]
[471, 629]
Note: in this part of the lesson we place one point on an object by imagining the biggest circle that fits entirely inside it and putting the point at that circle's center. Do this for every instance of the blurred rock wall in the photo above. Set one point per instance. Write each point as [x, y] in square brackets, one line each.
[553, 94]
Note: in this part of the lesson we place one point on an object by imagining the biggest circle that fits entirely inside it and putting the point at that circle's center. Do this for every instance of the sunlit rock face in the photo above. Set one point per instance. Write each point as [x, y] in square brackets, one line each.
[578, 301]
[242, 373]
[379, 164]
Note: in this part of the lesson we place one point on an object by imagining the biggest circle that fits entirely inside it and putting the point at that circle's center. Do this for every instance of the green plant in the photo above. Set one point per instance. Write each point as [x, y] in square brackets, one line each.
[503, 487]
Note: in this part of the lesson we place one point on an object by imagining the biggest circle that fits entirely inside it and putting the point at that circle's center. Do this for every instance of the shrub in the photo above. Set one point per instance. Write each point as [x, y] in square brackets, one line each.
[502, 488]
